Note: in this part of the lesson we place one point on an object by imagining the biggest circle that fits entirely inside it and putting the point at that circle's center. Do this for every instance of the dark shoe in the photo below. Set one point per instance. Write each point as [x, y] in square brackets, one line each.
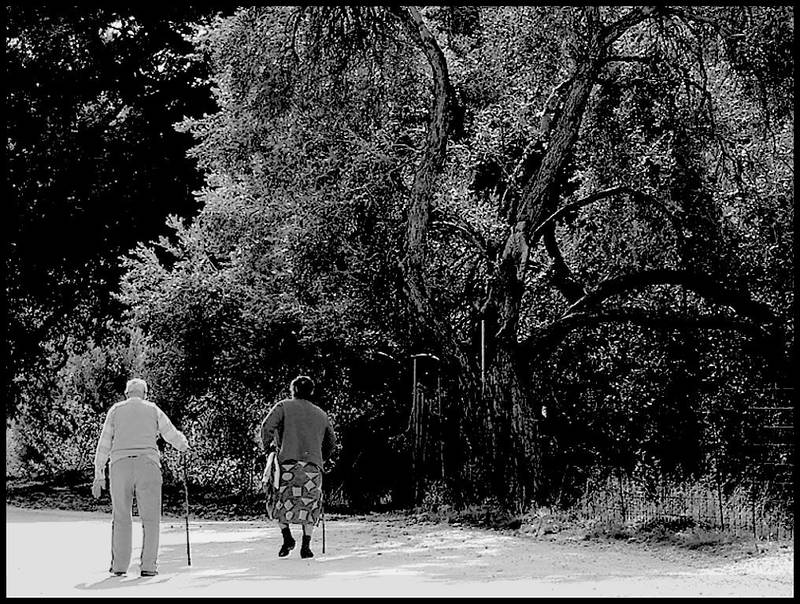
[148, 573]
[117, 573]
[305, 549]
[288, 543]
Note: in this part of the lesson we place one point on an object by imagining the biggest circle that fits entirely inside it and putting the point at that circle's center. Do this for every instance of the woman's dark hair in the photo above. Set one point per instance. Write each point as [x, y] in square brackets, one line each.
[302, 386]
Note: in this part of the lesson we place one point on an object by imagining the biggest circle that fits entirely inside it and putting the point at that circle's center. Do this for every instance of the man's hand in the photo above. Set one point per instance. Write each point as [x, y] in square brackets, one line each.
[97, 487]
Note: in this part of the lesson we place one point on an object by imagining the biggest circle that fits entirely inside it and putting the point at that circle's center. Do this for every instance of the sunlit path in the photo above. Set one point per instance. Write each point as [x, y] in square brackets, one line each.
[56, 553]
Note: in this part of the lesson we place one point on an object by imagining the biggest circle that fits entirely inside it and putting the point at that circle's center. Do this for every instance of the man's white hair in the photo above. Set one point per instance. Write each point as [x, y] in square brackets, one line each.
[136, 385]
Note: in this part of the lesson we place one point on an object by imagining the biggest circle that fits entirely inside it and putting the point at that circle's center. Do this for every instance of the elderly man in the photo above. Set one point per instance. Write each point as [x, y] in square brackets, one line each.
[128, 439]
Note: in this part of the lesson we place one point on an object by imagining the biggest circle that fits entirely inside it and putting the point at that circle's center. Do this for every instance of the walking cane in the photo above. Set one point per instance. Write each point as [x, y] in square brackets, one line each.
[186, 502]
[322, 510]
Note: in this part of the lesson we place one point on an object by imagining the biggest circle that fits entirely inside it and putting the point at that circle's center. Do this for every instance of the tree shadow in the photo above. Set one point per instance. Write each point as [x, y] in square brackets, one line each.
[247, 552]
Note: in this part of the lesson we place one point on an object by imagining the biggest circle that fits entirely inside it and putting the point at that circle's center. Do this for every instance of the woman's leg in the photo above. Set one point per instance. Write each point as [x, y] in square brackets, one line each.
[288, 540]
[305, 548]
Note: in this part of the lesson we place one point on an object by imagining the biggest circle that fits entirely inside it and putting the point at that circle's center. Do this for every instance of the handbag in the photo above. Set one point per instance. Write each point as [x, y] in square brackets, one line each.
[272, 473]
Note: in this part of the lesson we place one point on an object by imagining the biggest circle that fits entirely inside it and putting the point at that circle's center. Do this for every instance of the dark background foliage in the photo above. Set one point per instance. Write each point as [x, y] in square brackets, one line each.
[220, 201]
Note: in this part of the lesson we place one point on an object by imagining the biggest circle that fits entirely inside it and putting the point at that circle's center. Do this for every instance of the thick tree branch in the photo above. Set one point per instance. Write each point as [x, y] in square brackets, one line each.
[593, 21]
[469, 234]
[752, 317]
[561, 276]
[633, 17]
[538, 198]
[572, 207]
[558, 330]
[722, 28]
[430, 165]
[642, 60]
[535, 196]
[421, 193]
[700, 283]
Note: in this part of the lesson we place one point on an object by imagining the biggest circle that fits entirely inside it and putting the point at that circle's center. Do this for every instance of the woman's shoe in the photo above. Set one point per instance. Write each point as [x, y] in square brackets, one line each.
[305, 549]
[288, 543]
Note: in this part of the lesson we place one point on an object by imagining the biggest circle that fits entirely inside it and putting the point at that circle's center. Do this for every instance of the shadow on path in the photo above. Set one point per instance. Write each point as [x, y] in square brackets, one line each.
[223, 552]
[389, 557]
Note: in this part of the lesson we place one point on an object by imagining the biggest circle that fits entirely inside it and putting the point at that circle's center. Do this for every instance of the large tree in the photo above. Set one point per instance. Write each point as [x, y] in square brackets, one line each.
[395, 177]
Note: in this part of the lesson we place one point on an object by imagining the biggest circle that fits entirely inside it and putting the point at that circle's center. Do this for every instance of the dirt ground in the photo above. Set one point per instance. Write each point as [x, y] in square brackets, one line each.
[64, 553]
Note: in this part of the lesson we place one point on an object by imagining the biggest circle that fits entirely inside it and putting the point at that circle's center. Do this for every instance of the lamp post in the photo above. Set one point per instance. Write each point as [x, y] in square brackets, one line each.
[483, 357]
[416, 411]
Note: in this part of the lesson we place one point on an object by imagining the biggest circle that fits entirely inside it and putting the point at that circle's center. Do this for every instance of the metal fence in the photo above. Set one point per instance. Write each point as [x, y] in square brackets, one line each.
[760, 504]
[755, 510]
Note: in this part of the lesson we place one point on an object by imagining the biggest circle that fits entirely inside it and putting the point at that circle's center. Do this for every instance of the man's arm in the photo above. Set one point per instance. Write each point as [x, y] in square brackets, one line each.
[103, 450]
[102, 453]
[170, 433]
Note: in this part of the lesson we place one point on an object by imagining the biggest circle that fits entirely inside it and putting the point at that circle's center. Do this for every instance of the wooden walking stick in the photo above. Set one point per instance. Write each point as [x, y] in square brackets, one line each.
[322, 510]
[186, 503]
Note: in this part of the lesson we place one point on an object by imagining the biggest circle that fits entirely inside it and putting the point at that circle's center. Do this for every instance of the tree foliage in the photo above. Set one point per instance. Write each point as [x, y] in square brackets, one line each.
[94, 166]
[583, 208]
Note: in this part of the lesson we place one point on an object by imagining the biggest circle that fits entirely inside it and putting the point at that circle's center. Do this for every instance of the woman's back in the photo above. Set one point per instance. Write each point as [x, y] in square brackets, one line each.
[302, 431]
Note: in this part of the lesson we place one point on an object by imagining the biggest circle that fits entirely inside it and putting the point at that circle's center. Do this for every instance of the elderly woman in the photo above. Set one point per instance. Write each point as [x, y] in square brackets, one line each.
[304, 439]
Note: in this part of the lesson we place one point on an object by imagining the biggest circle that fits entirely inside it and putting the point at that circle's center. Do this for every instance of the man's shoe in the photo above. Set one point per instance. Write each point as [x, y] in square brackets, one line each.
[288, 543]
[117, 573]
[305, 549]
[148, 573]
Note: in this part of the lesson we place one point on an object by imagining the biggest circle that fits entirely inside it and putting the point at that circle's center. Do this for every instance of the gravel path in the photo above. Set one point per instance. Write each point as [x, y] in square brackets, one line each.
[59, 553]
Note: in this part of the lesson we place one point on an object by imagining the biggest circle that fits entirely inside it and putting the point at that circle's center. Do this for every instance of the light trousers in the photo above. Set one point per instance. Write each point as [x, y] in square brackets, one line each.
[139, 476]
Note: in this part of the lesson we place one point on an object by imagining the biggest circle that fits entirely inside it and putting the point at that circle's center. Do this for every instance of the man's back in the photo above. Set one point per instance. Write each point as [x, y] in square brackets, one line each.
[132, 428]
[135, 428]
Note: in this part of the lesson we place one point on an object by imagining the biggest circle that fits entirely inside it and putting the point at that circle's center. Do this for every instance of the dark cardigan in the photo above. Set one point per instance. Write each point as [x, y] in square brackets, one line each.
[301, 431]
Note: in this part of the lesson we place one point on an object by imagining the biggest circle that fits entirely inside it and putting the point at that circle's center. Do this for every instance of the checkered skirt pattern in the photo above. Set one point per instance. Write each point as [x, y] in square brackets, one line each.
[298, 498]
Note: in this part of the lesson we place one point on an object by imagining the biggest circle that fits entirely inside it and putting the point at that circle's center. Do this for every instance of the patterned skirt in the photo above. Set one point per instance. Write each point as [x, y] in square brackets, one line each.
[298, 498]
